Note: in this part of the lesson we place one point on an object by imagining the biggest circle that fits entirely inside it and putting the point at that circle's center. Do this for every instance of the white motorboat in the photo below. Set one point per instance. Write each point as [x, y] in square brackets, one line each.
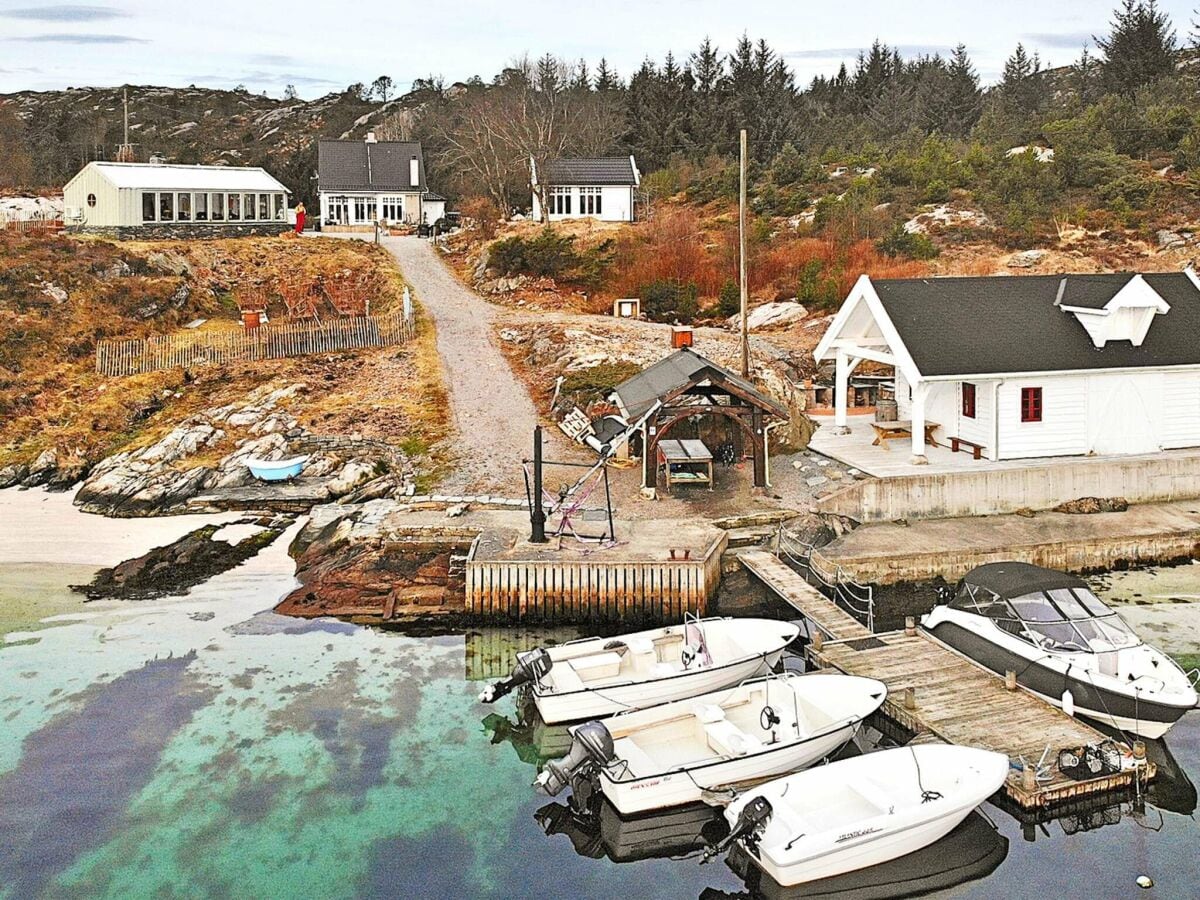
[694, 750]
[862, 811]
[595, 677]
[1065, 645]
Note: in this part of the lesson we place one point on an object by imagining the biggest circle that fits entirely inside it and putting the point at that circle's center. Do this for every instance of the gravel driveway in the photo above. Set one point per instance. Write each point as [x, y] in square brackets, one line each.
[492, 412]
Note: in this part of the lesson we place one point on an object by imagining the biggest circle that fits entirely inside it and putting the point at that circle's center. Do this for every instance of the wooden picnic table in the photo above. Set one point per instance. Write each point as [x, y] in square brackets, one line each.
[686, 462]
[888, 431]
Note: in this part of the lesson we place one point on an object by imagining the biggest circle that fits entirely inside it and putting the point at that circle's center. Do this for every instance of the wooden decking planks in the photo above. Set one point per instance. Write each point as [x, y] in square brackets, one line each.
[834, 622]
[962, 703]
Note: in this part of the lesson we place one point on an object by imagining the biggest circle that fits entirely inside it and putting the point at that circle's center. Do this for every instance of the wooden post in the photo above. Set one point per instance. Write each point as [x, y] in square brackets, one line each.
[818, 639]
[910, 698]
[1010, 680]
[910, 626]
[760, 448]
[1029, 778]
[743, 288]
[537, 516]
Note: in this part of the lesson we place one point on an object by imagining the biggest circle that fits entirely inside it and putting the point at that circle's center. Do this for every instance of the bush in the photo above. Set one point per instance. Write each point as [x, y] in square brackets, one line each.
[729, 301]
[912, 246]
[670, 301]
[483, 213]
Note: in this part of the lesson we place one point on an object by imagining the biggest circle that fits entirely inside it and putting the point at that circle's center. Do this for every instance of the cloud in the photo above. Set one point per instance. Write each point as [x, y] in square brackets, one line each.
[64, 13]
[273, 59]
[908, 50]
[1071, 40]
[81, 39]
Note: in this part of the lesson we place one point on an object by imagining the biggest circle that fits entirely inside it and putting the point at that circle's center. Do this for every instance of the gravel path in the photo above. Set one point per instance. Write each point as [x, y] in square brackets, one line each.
[492, 412]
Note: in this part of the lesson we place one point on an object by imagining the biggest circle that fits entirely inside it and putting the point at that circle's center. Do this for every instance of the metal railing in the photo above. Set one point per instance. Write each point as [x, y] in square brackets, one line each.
[829, 577]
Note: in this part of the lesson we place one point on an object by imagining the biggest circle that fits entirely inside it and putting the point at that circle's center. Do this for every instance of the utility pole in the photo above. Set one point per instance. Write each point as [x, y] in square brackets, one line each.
[742, 282]
[537, 516]
[125, 151]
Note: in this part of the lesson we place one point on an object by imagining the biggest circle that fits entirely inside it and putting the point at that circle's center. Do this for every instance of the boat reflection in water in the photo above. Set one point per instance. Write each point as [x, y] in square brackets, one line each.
[971, 851]
[534, 741]
[600, 831]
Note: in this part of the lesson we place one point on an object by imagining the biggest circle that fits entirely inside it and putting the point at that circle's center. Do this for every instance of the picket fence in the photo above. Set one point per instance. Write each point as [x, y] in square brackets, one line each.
[200, 348]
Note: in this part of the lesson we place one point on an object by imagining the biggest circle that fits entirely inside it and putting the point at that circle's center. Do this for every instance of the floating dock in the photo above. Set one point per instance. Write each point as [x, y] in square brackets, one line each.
[935, 692]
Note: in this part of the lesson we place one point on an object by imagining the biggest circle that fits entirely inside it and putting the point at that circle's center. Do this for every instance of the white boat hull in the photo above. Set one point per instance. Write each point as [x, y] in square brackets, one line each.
[607, 701]
[679, 788]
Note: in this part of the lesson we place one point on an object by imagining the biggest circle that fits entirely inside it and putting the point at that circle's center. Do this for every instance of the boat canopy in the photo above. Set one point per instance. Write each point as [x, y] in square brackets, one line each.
[1050, 609]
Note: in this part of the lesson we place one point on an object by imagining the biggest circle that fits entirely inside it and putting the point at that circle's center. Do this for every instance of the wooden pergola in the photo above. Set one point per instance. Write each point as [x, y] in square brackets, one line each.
[686, 384]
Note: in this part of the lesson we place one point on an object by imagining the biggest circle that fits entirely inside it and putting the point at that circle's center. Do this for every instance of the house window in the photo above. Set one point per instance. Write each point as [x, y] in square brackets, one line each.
[183, 207]
[393, 209]
[264, 207]
[339, 210]
[280, 208]
[1031, 404]
[218, 207]
[248, 207]
[560, 201]
[91, 200]
[201, 202]
[589, 201]
[166, 207]
[968, 400]
[364, 209]
[148, 206]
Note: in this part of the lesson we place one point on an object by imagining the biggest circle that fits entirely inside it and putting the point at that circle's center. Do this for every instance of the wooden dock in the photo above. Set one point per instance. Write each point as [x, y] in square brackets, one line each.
[952, 700]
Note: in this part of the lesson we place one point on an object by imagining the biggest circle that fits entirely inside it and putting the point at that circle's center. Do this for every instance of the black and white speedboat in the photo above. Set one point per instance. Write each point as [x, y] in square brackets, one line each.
[1064, 644]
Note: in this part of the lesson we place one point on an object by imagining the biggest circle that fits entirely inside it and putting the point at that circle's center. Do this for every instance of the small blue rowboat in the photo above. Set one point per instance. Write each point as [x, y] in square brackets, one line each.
[276, 469]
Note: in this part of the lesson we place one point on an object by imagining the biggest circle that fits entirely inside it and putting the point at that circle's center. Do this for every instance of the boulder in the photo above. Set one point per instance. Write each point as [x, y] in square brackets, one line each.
[1085, 506]
[1170, 240]
[13, 474]
[1026, 259]
[776, 314]
[54, 292]
[43, 468]
[351, 476]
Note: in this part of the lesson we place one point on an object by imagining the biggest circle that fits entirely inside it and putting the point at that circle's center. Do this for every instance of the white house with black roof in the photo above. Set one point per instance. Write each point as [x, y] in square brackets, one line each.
[1031, 366]
[364, 182]
[603, 188]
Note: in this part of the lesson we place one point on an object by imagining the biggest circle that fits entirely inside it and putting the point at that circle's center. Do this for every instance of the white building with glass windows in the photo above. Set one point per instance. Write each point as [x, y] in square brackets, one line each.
[603, 188]
[365, 182]
[149, 200]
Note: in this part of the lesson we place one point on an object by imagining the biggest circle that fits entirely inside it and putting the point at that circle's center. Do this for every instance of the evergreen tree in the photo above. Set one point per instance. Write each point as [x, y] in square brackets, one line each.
[1140, 48]
[581, 80]
[606, 78]
[1086, 76]
[963, 100]
[1022, 87]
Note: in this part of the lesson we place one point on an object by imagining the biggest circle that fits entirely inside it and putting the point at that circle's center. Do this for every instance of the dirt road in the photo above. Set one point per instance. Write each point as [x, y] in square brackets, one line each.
[492, 412]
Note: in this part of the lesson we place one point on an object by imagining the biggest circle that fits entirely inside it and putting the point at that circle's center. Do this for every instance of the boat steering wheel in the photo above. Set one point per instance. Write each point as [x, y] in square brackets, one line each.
[768, 718]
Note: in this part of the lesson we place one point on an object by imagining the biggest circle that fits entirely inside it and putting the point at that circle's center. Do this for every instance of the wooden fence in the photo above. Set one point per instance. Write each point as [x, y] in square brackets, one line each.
[35, 223]
[628, 591]
[200, 348]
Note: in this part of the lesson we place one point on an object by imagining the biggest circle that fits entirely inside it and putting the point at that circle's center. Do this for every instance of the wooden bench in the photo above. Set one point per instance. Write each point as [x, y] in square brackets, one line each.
[976, 449]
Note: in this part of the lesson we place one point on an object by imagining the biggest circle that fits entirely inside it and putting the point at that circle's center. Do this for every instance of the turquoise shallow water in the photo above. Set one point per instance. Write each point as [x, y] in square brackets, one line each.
[205, 747]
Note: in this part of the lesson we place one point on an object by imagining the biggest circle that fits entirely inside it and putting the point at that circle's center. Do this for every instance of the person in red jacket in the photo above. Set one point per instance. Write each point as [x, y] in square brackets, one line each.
[299, 217]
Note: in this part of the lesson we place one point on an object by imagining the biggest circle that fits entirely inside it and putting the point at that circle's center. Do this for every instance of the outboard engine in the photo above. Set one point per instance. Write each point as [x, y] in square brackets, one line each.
[749, 827]
[591, 747]
[531, 667]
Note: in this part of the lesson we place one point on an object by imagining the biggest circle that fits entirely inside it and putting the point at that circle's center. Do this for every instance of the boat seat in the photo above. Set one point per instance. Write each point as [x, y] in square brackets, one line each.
[640, 646]
[793, 823]
[564, 678]
[727, 739]
[639, 760]
[708, 713]
[597, 665]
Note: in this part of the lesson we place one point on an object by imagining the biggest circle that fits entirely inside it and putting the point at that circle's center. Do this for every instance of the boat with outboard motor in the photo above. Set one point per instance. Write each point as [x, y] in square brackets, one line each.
[1064, 644]
[860, 812]
[595, 677]
[702, 748]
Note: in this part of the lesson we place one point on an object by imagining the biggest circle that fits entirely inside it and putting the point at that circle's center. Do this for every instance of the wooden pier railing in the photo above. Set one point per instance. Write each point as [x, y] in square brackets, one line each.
[187, 349]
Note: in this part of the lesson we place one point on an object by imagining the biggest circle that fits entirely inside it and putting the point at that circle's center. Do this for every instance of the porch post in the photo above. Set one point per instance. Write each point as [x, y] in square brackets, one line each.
[840, 390]
[920, 390]
[760, 448]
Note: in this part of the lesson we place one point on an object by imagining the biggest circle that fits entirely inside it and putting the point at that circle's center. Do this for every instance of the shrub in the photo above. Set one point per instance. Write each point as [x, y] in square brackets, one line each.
[670, 301]
[912, 246]
[729, 301]
[483, 213]
[549, 254]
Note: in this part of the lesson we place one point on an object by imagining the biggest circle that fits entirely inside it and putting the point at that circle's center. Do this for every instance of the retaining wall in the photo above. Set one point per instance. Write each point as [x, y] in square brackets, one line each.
[1139, 479]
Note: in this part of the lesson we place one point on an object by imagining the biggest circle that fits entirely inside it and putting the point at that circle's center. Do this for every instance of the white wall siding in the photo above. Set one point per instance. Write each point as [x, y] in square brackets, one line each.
[981, 429]
[616, 205]
[940, 407]
[1125, 413]
[1063, 430]
[107, 210]
[1180, 409]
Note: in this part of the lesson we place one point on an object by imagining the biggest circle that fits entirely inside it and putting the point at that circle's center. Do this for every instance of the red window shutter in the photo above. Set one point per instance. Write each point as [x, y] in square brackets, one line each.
[968, 400]
[1031, 404]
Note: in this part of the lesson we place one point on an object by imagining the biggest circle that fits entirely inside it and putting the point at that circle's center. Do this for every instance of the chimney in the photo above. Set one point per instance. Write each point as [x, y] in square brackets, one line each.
[414, 172]
[370, 137]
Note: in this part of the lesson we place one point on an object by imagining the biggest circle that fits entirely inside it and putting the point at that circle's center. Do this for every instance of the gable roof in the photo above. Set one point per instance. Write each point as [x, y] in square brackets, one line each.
[164, 176]
[679, 370]
[597, 170]
[1010, 324]
[369, 166]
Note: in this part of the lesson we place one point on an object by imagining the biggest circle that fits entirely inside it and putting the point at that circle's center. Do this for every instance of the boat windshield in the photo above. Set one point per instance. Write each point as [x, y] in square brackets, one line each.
[1063, 619]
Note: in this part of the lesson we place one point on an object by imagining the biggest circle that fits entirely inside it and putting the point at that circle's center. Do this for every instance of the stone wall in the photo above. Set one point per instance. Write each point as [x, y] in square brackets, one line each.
[166, 231]
[1174, 475]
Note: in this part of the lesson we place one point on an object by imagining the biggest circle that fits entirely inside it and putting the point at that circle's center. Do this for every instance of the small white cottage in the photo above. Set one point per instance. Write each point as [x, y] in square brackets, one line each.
[1034, 366]
[368, 181]
[601, 188]
[161, 200]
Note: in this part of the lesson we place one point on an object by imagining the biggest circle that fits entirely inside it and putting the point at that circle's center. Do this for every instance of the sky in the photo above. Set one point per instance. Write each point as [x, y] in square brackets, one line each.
[323, 46]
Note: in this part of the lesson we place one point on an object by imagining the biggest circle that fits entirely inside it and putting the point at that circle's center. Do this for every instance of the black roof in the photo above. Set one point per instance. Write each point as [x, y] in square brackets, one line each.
[998, 324]
[369, 166]
[677, 371]
[597, 170]
[1016, 579]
